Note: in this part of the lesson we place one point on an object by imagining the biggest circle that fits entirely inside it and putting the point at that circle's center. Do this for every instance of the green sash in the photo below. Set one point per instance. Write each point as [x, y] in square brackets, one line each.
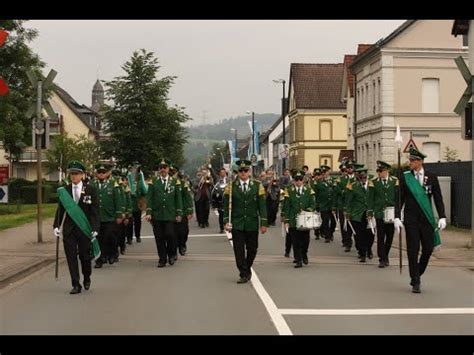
[421, 198]
[79, 218]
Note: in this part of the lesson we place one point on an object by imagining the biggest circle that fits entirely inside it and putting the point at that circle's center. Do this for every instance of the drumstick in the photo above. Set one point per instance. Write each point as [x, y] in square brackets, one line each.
[352, 228]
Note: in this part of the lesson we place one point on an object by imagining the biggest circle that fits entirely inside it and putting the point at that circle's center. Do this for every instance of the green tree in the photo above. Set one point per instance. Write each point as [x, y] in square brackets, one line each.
[16, 58]
[64, 149]
[142, 127]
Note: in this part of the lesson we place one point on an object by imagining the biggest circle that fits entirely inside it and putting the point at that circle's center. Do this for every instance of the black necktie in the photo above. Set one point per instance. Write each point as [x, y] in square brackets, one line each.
[245, 187]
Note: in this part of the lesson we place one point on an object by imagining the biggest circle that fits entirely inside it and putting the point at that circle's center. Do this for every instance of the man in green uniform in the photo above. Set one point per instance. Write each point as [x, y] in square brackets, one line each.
[357, 210]
[317, 179]
[298, 198]
[182, 228]
[127, 208]
[111, 213]
[248, 211]
[385, 190]
[138, 192]
[324, 195]
[164, 208]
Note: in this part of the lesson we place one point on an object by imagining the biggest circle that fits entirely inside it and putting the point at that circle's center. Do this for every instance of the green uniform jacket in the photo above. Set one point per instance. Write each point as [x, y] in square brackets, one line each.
[324, 195]
[384, 196]
[110, 200]
[188, 204]
[164, 204]
[141, 192]
[358, 200]
[127, 201]
[294, 204]
[247, 207]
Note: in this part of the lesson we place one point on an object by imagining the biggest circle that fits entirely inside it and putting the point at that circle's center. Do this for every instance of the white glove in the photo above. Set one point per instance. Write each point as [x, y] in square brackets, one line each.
[210, 166]
[442, 224]
[94, 234]
[398, 225]
[57, 232]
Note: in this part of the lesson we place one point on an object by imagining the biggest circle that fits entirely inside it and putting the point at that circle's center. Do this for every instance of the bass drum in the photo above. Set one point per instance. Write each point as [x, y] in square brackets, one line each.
[389, 215]
[217, 195]
[317, 220]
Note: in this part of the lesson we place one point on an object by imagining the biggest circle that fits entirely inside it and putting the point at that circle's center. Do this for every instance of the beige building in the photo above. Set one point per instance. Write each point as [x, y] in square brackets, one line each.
[318, 128]
[72, 118]
[409, 78]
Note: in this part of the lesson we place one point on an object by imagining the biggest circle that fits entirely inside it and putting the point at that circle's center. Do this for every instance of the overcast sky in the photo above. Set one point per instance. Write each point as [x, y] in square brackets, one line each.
[224, 68]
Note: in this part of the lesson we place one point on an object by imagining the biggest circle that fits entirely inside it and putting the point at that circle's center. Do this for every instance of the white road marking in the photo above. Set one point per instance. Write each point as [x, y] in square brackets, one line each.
[375, 312]
[275, 315]
[189, 236]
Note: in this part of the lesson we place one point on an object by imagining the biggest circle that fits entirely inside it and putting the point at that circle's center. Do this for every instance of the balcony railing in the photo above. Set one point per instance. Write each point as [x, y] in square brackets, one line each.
[30, 157]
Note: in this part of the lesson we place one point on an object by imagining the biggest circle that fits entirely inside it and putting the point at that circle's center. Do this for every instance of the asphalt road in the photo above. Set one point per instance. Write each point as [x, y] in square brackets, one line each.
[334, 294]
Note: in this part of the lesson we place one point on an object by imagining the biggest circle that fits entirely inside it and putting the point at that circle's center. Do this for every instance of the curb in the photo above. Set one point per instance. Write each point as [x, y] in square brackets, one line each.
[25, 272]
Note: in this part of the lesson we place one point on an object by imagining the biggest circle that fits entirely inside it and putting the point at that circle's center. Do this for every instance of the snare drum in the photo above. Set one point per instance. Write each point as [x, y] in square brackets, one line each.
[317, 220]
[305, 221]
[389, 214]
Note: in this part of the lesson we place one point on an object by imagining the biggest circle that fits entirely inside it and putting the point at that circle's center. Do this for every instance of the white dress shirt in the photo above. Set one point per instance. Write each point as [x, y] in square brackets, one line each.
[76, 191]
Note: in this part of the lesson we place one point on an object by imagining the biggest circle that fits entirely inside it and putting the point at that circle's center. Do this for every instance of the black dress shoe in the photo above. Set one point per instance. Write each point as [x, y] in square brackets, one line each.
[122, 251]
[327, 241]
[294, 261]
[181, 251]
[416, 288]
[242, 280]
[381, 264]
[287, 255]
[171, 260]
[75, 289]
[87, 284]
[98, 266]
[161, 265]
[139, 240]
[370, 256]
[298, 265]
[305, 260]
[129, 242]
[387, 263]
[111, 260]
[362, 259]
[347, 249]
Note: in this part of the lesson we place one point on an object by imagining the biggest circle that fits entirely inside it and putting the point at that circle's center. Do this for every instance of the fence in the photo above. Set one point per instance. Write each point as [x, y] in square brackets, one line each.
[461, 189]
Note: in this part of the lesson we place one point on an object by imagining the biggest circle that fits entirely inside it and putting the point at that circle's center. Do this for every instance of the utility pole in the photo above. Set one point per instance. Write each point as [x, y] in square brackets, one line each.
[39, 103]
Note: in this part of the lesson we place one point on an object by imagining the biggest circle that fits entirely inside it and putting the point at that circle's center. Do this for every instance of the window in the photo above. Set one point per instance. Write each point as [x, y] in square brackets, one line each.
[325, 130]
[374, 91]
[367, 100]
[430, 95]
[432, 151]
[325, 160]
[362, 104]
[380, 96]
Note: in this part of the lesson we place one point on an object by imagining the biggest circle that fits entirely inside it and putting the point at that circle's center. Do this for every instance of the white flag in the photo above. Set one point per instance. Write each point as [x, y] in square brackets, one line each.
[398, 136]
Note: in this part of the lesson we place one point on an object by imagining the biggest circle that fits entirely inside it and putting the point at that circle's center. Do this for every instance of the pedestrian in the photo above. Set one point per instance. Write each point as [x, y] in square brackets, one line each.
[417, 187]
[164, 208]
[81, 223]
[298, 198]
[248, 212]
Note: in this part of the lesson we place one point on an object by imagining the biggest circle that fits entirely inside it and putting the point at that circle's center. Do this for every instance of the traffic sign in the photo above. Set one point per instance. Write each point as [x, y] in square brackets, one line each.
[4, 194]
[410, 144]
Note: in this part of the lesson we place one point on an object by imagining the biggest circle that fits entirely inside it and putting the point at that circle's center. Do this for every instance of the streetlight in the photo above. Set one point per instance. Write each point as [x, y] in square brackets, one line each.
[253, 131]
[222, 156]
[280, 81]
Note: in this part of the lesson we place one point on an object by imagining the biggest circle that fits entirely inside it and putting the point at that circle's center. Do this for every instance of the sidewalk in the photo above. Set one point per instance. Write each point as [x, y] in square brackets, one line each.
[21, 255]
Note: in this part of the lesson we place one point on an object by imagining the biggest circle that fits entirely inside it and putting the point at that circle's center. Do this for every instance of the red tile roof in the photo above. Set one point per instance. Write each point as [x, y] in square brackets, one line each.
[317, 86]
[361, 48]
[348, 58]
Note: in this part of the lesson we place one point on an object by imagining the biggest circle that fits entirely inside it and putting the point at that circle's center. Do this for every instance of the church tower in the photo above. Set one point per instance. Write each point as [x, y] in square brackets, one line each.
[97, 96]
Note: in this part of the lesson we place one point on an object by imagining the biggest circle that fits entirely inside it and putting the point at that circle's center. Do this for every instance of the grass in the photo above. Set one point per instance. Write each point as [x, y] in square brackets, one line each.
[17, 215]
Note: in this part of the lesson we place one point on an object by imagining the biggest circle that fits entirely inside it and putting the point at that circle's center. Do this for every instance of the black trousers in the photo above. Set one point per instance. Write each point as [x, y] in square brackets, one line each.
[272, 210]
[329, 224]
[364, 237]
[134, 223]
[245, 241]
[300, 241]
[288, 243]
[107, 241]
[77, 243]
[165, 239]
[202, 211]
[221, 218]
[122, 231]
[182, 231]
[416, 233]
[384, 239]
[346, 234]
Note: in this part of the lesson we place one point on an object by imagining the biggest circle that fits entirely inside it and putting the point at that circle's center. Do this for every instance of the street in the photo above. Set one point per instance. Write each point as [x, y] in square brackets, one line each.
[334, 294]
